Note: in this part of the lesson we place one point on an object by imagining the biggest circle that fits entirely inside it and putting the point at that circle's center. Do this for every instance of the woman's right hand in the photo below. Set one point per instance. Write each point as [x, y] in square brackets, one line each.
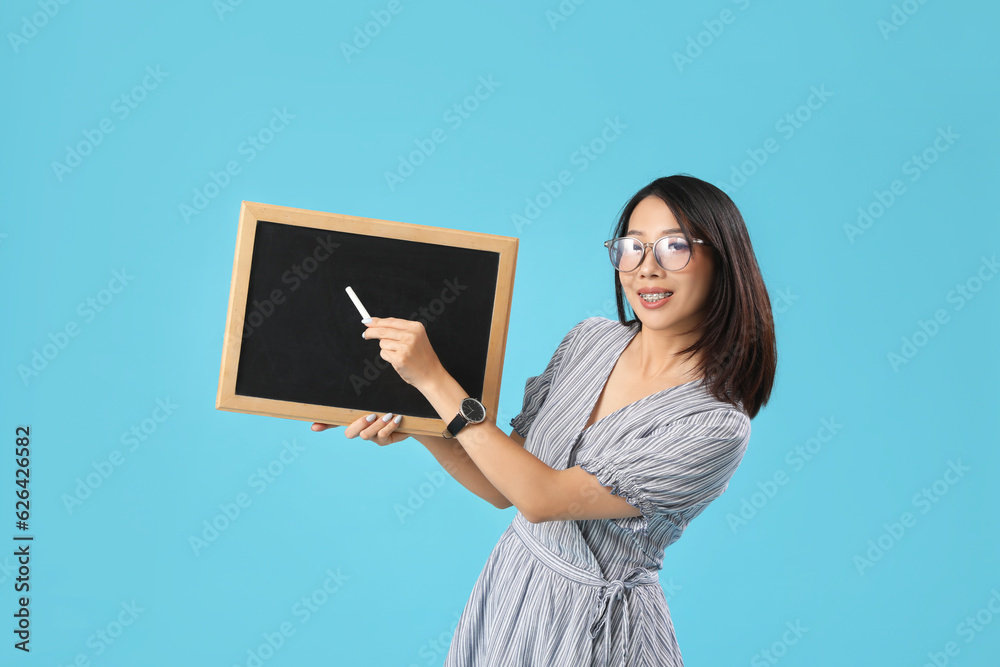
[370, 427]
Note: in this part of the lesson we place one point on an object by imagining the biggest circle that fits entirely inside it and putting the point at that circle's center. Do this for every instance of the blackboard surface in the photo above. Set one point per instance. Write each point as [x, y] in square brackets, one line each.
[301, 338]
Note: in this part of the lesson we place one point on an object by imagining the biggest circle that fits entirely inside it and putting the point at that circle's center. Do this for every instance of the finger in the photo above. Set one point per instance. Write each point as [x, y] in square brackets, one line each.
[318, 426]
[389, 355]
[391, 327]
[387, 322]
[381, 332]
[397, 323]
[389, 345]
[359, 424]
[372, 431]
[385, 433]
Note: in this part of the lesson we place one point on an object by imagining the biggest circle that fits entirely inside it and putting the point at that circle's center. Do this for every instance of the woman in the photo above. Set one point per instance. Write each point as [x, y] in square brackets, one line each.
[631, 430]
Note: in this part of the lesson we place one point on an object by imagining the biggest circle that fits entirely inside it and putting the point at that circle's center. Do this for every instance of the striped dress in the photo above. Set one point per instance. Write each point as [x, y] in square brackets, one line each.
[576, 593]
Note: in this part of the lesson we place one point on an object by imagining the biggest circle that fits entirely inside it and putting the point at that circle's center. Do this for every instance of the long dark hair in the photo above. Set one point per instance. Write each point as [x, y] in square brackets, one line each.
[739, 354]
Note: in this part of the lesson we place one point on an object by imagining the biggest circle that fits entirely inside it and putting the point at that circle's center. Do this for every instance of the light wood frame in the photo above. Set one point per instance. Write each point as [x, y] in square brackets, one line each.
[252, 212]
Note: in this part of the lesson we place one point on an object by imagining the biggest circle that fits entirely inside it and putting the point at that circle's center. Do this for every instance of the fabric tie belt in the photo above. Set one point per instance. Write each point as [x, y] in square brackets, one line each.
[607, 592]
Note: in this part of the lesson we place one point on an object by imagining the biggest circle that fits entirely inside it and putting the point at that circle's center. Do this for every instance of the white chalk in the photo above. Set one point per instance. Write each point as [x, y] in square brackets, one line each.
[357, 303]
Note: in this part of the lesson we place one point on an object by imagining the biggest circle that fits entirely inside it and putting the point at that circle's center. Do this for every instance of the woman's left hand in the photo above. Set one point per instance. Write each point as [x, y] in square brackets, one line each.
[380, 431]
[405, 345]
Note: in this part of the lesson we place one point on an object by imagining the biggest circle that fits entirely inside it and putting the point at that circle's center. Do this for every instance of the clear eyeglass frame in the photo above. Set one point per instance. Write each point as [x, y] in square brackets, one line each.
[650, 245]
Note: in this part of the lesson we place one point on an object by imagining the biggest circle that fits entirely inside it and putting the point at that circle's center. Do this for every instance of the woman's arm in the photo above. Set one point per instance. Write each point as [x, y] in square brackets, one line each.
[539, 492]
[456, 461]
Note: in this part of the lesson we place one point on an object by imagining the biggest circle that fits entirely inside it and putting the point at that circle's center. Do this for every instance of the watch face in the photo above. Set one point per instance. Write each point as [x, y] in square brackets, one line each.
[473, 410]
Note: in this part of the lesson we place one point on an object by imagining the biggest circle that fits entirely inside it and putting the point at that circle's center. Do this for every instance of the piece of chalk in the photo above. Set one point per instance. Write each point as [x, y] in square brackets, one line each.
[357, 303]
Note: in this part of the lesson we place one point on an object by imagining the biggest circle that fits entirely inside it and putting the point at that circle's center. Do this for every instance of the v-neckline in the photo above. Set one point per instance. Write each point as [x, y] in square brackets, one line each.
[592, 402]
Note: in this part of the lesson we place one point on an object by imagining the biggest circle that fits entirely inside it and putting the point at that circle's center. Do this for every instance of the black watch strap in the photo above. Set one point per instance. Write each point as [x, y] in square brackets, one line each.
[456, 425]
[470, 406]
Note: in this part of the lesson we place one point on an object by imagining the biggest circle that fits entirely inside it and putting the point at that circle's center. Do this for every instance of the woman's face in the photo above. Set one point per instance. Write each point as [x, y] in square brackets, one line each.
[685, 308]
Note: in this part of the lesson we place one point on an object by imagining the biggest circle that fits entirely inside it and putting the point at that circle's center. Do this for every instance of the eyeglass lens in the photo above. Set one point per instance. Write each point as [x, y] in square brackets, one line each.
[671, 252]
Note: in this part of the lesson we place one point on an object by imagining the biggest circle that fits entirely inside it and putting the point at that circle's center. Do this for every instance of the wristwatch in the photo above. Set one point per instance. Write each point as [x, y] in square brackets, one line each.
[472, 412]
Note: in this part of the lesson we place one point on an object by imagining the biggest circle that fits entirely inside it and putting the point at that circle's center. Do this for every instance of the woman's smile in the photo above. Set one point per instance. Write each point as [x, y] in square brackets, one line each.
[654, 297]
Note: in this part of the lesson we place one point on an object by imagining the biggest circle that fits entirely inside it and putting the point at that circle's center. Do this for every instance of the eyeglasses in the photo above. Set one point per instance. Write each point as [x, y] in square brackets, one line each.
[671, 252]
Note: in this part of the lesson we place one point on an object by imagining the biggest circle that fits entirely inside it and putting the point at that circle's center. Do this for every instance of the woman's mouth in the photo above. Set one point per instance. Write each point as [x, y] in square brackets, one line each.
[654, 299]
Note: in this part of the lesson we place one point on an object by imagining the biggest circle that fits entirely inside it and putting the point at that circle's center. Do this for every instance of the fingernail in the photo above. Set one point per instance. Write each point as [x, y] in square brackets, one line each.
[387, 416]
[370, 418]
[363, 335]
[398, 417]
[366, 320]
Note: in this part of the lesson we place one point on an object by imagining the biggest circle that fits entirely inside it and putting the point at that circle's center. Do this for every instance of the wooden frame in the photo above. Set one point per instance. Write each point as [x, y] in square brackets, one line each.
[252, 213]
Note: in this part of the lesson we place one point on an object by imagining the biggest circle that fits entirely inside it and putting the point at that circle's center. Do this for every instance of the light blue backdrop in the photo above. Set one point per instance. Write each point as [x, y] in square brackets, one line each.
[858, 139]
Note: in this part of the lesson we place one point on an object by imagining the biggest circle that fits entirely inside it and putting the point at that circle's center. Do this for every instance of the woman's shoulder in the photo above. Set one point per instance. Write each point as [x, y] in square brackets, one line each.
[585, 339]
[593, 335]
[597, 325]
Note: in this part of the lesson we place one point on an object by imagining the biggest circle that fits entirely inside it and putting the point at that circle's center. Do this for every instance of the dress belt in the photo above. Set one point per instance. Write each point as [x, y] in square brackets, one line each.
[607, 593]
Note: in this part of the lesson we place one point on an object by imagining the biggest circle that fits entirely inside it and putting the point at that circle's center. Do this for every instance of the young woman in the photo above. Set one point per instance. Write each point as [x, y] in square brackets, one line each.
[633, 428]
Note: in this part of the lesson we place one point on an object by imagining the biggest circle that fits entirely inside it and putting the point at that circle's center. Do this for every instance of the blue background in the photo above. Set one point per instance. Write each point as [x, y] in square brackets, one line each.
[695, 90]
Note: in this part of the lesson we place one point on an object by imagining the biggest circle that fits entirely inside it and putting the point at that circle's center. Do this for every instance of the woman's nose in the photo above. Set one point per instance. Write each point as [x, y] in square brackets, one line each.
[649, 265]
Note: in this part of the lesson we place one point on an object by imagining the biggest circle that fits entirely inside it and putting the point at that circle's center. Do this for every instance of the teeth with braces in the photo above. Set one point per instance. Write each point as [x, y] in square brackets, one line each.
[653, 298]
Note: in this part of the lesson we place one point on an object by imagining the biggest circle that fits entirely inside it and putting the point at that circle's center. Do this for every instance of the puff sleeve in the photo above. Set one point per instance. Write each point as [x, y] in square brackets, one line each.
[537, 388]
[678, 469]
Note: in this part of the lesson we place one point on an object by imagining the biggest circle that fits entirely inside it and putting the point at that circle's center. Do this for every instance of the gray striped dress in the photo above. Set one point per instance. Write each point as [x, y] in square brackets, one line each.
[576, 593]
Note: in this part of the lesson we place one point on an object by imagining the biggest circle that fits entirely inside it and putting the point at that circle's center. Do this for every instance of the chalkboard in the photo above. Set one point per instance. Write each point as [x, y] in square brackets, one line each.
[293, 346]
